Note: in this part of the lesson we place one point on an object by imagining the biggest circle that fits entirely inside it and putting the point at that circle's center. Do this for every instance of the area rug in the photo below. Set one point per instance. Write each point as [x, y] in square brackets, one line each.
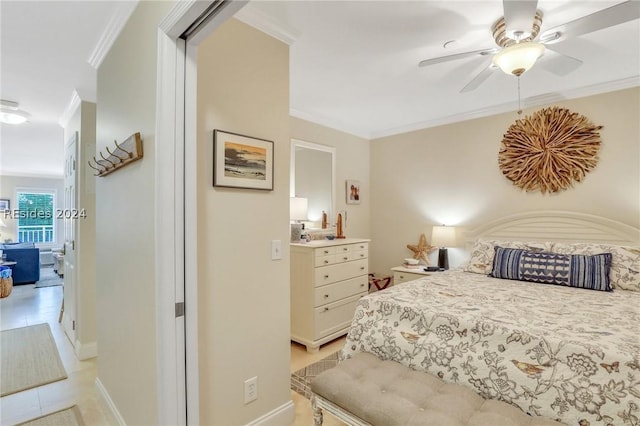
[68, 417]
[28, 358]
[48, 278]
[301, 379]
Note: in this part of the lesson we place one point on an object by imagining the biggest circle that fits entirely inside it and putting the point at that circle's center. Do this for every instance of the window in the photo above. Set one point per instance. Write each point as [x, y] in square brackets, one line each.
[36, 222]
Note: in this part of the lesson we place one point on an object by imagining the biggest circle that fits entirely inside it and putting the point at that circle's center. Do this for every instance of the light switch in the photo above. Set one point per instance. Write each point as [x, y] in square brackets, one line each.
[276, 249]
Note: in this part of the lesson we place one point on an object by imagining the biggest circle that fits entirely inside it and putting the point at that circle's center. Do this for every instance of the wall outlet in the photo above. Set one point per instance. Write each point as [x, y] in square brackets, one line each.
[250, 389]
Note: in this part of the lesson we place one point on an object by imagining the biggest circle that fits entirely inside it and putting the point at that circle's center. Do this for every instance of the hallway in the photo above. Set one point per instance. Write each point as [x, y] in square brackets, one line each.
[26, 306]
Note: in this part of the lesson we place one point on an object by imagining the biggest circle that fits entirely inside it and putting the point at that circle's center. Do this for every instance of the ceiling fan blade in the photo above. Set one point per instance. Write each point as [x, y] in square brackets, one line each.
[559, 63]
[614, 15]
[480, 78]
[519, 15]
[457, 56]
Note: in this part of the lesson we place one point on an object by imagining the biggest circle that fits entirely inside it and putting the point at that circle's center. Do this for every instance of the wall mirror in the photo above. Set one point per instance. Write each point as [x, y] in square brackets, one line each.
[313, 172]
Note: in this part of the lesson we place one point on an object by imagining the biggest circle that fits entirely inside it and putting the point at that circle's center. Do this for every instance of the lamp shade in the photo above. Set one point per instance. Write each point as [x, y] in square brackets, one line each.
[518, 58]
[443, 236]
[298, 208]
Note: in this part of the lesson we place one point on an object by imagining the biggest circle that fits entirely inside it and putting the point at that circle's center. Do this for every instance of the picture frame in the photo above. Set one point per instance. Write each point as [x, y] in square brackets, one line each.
[353, 192]
[5, 204]
[241, 161]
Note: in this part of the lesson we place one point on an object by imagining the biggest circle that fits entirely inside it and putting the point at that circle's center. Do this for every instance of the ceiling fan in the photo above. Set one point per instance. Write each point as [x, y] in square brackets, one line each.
[519, 47]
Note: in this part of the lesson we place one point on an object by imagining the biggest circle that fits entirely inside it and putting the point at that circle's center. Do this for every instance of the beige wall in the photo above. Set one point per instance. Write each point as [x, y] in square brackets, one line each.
[352, 162]
[8, 187]
[84, 122]
[243, 87]
[126, 294]
[449, 174]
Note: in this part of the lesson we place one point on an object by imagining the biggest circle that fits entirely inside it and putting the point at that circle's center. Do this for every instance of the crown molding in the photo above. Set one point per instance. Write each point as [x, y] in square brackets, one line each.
[545, 99]
[251, 16]
[327, 122]
[70, 110]
[120, 16]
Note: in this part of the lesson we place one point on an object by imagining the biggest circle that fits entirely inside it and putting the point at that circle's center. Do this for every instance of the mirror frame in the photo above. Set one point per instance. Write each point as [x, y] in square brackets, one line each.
[296, 143]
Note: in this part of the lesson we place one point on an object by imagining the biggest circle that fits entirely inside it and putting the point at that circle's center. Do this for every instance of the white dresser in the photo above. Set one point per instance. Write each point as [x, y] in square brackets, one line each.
[327, 279]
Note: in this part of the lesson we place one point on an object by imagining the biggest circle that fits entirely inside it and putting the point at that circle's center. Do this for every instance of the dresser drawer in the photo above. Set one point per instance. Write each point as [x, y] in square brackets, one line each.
[325, 260]
[339, 272]
[335, 316]
[325, 251]
[332, 292]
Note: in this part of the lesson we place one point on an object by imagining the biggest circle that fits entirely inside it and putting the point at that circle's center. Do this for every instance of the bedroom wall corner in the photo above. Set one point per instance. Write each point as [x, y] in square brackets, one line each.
[243, 87]
[452, 177]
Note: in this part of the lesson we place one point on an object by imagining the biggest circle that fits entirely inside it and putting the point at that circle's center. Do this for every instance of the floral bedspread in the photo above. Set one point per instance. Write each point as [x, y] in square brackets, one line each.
[564, 353]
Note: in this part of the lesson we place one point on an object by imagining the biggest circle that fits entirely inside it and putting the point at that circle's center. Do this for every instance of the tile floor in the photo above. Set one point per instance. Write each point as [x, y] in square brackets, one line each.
[28, 306]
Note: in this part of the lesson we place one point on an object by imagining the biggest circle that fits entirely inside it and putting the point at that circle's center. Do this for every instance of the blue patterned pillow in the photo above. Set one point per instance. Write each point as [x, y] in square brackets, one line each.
[590, 272]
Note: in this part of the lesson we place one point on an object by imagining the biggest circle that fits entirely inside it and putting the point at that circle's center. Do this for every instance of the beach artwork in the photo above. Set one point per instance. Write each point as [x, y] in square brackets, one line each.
[244, 161]
[241, 161]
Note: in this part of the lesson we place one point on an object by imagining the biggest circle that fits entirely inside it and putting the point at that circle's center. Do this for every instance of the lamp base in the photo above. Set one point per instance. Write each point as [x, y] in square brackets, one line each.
[296, 232]
[443, 258]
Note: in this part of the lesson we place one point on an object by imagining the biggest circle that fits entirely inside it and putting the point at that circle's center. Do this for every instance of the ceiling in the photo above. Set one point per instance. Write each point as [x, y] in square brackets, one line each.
[354, 65]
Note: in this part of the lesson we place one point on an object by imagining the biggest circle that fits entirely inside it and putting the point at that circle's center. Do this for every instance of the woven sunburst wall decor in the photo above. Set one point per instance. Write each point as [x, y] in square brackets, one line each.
[549, 150]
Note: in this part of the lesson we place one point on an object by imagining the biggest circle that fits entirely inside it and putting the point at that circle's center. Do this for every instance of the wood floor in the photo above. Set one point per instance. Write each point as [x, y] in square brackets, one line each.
[28, 306]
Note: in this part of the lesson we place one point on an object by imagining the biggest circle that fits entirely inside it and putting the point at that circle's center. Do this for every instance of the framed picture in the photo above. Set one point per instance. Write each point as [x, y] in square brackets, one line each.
[241, 161]
[353, 192]
[5, 204]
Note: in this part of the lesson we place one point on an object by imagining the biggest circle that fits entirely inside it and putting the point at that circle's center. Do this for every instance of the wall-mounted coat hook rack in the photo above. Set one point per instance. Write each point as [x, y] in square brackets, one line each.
[127, 152]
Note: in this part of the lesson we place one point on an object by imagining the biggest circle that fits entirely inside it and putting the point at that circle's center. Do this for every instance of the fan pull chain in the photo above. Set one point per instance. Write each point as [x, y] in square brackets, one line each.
[519, 107]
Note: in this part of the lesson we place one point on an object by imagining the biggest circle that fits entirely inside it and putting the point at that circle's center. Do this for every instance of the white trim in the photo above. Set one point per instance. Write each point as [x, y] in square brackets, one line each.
[191, 236]
[535, 101]
[168, 196]
[111, 32]
[86, 350]
[283, 415]
[33, 175]
[72, 107]
[258, 20]
[108, 403]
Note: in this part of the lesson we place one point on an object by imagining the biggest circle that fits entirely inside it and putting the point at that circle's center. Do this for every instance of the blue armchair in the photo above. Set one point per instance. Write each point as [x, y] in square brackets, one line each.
[27, 258]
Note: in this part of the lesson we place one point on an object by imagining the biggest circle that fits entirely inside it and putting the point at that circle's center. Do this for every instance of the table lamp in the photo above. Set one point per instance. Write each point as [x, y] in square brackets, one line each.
[443, 237]
[297, 213]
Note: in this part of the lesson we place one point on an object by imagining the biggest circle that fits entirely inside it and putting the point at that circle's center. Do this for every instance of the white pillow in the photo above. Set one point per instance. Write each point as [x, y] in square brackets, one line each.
[625, 261]
[482, 252]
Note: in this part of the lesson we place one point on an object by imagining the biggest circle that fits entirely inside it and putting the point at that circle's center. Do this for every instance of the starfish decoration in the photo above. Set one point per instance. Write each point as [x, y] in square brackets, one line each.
[422, 250]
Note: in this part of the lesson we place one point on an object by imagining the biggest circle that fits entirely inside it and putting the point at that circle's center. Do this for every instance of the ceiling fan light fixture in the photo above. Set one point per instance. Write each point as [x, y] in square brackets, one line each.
[518, 58]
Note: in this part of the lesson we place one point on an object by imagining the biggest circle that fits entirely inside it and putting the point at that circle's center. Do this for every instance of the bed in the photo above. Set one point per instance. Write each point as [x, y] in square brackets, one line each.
[571, 354]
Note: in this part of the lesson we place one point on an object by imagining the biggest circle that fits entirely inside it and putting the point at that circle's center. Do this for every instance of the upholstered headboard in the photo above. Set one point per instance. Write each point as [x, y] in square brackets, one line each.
[557, 226]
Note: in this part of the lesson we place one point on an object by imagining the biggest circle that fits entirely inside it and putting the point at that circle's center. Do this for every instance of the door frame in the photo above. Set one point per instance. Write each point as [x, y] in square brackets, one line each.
[176, 264]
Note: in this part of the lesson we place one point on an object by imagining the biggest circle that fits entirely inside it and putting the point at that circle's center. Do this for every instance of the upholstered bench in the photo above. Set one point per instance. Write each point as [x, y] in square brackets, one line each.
[364, 390]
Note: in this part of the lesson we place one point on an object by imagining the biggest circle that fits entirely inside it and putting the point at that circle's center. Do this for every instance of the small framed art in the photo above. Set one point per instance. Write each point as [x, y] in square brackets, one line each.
[241, 161]
[5, 204]
[353, 192]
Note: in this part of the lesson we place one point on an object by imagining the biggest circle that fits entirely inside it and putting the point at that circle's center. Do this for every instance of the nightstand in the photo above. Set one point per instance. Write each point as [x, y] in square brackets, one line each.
[402, 274]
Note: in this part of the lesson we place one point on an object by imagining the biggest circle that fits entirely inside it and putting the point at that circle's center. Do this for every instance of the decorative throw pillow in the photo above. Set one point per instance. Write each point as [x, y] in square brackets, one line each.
[589, 272]
[482, 252]
[625, 261]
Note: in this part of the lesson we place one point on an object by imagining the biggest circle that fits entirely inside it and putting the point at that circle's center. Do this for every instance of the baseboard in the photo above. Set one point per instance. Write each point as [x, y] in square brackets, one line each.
[107, 402]
[86, 350]
[283, 415]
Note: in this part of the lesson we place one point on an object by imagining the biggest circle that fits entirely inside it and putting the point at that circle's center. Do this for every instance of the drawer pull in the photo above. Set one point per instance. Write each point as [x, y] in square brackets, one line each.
[402, 277]
[345, 258]
[326, 261]
[326, 252]
[361, 285]
[326, 309]
[326, 276]
[345, 249]
[361, 255]
[362, 268]
[326, 296]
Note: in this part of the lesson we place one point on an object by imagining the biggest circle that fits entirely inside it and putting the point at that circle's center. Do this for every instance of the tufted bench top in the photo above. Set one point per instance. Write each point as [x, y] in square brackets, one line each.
[386, 393]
